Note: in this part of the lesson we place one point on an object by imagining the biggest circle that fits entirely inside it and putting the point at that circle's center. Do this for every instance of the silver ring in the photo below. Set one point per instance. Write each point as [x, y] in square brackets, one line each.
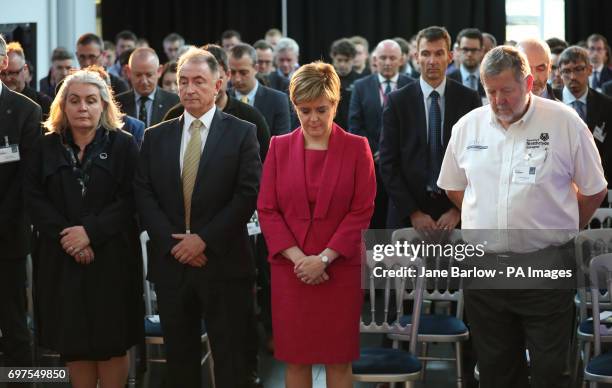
[81, 254]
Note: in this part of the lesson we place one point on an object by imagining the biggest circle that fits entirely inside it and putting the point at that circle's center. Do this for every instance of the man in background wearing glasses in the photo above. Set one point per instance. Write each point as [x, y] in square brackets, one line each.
[470, 43]
[594, 108]
[14, 77]
[598, 57]
[89, 52]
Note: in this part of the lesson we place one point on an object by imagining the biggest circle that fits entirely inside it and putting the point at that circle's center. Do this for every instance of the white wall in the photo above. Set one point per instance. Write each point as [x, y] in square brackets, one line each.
[58, 23]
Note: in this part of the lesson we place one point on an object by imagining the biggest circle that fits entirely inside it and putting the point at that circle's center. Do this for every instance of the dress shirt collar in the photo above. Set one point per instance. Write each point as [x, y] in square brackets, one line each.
[393, 79]
[465, 73]
[206, 118]
[568, 97]
[427, 88]
[150, 97]
[250, 95]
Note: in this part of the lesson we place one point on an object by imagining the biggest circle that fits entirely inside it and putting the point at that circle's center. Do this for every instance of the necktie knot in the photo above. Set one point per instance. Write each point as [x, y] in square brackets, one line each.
[244, 99]
[434, 96]
[579, 107]
[387, 86]
[195, 126]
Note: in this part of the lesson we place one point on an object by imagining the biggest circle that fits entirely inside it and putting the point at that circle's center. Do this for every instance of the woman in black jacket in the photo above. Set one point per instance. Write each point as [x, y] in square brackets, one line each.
[78, 187]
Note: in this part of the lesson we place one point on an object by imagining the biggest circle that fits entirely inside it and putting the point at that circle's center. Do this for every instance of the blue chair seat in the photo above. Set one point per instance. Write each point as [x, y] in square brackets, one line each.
[601, 365]
[153, 327]
[586, 327]
[436, 324]
[385, 361]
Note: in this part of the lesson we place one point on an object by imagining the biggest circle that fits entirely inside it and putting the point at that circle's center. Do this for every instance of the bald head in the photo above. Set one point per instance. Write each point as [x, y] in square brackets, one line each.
[143, 70]
[144, 54]
[538, 55]
[388, 58]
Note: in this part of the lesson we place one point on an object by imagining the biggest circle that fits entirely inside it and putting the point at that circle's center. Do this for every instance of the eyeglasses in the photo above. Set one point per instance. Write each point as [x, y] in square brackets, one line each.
[90, 57]
[566, 72]
[15, 73]
[467, 50]
[598, 49]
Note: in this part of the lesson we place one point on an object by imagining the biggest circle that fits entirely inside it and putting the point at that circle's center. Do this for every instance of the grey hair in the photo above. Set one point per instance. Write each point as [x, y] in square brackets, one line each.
[287, 44]
[197, 55]
[111, 115]
[503, 58]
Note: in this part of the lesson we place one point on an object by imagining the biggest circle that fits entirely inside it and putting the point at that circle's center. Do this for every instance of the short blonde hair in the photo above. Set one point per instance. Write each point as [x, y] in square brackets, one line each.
[111, 117]
[314, 80]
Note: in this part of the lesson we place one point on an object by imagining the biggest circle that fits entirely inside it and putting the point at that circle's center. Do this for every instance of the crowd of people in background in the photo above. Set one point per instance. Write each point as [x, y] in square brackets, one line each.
[174, 104]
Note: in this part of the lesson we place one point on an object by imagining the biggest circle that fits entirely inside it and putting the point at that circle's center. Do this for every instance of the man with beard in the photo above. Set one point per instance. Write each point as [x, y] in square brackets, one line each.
[538, 55]
[496, 170]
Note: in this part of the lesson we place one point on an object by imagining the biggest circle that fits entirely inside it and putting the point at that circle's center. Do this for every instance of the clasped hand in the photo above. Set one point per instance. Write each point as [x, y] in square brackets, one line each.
[310, 270]
[75, 242]
[189, 250]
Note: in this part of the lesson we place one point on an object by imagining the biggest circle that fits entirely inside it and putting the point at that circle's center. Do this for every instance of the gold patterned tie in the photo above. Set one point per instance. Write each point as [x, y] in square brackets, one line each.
[244, 99]
[191, 161]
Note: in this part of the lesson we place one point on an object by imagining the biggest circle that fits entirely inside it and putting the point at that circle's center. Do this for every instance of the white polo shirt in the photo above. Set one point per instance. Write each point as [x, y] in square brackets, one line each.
[522, 177]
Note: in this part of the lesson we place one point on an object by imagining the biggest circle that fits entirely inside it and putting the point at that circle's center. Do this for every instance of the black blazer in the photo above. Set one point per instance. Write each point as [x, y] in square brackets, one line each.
[456, 75]
[162, 103]
[365, 110]
[605, 76]
[404, 150]
[606, 88]
[20, 122]
[224, 197]
[278, 82]
[599, 114]
[274, 106]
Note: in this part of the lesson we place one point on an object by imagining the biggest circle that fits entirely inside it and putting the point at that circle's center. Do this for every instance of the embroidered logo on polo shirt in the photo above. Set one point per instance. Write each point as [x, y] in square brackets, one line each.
[543, 140]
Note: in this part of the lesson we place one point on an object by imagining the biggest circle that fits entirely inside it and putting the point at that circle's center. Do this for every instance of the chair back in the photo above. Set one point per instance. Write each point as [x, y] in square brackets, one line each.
[589, 244]
[383, 315]
[600, 272]
[436, 288]
[602, 218]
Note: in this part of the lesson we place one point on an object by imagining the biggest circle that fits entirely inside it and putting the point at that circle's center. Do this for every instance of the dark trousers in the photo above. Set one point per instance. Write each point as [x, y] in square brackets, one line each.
[224, 305]
[504, 322]
[381, 203]
[15, 341]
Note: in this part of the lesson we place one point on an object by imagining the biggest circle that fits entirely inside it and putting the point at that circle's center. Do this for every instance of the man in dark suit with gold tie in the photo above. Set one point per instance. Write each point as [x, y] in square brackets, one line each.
[196, 188]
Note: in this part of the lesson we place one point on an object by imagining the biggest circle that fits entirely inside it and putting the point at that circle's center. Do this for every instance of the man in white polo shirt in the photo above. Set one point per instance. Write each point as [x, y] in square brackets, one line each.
[524, 163]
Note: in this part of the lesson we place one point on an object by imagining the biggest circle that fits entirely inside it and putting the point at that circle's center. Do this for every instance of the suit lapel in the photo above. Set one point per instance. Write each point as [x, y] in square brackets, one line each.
[416, 97]
[130, 105]
[157, 107]
[174, 156]
[449, 112]
[593, 110]
[331, 171]
[215, 133]
[298, 175]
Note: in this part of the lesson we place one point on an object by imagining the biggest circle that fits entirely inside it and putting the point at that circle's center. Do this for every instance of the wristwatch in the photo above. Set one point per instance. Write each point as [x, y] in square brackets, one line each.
[324, 260]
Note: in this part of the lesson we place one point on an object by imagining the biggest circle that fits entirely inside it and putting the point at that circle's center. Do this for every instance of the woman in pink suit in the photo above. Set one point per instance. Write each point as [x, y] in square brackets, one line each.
[317, 195]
